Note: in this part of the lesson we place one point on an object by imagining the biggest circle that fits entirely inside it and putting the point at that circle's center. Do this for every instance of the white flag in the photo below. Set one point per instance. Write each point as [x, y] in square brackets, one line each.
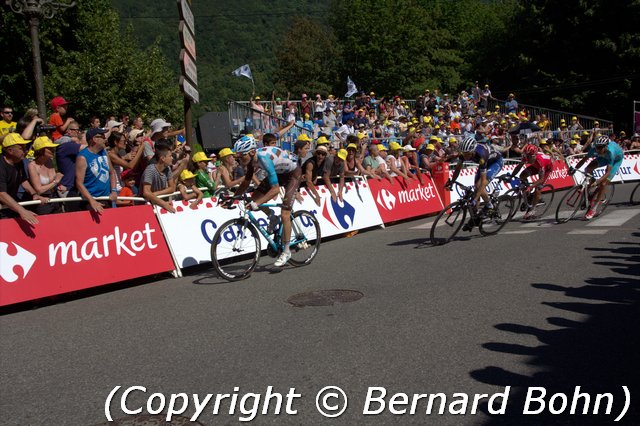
[351, 88]
[243, 71]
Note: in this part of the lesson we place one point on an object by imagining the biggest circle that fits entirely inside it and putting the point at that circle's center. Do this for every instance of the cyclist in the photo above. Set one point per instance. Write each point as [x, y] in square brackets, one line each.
[607, 154]
[489, 164]
[537, 164]
[282, 169]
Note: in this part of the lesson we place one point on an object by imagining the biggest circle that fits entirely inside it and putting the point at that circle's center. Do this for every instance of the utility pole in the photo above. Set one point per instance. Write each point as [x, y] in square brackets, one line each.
[34, 11]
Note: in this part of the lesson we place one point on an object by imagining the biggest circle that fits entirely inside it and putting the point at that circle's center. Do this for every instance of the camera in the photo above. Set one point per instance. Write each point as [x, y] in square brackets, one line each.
[44, 129]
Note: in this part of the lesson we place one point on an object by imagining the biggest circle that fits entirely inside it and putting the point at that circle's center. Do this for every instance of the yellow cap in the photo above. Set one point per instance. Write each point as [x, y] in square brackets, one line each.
[304, 137]
[585, 133]
[574, 118]
[342, 154]
[13, 139]
[394, 146]
[575, 136]
[452, 139]
[497, 106]
[186, 174]
[225, 152]
[431, 146]
[352, 145]
[543, 141]
[381, 147]
[199, 156]
[43, 142]
[322, 140]
[574, 142]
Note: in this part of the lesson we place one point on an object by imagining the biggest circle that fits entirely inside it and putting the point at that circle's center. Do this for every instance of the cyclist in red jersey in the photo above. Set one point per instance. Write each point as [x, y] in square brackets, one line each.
[537, 164]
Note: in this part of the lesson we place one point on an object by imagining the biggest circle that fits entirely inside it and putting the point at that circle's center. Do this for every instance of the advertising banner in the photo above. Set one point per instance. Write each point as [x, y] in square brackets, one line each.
[75, 251]
[629, 170]
[190, 232]
[404, 199]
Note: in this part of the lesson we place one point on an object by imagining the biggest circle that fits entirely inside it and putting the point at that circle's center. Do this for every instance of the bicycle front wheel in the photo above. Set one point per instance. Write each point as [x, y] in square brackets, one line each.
[235, 250]
[606, 199]
[448, 223]
[516, 199]
[305, 238]
[569, 205]
[493, 220]
[547, 192]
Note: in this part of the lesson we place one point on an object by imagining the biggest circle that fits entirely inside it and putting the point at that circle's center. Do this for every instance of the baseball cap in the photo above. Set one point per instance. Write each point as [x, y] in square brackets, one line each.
[322, 140]
[322, 148]
[58, 101]
[352, 146]
[394, 146]
[13, 139]
[201, 156]
[186, 174]
[225, 152]
[157, 125]
[95, 131]
[43, 142]
[134, 134]
[408, 148]
[431, 147]
[381, 147]
[257, 98]
[113, 123]
[342, 154]
[304, 137]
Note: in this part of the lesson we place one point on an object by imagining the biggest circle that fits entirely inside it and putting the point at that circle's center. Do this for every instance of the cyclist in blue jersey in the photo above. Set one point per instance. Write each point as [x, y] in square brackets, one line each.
[607, 154]
[489, 165]
[281, 168]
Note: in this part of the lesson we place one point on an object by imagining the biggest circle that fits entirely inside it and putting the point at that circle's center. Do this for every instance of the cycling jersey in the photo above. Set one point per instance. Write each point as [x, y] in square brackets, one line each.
[611, 157]
[542, 162]
[485, 156]
[275, 161]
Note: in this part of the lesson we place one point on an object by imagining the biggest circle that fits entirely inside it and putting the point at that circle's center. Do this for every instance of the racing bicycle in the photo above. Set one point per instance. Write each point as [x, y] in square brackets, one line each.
[237, 246]
[523, 192]
[579, 198]
[452, 217]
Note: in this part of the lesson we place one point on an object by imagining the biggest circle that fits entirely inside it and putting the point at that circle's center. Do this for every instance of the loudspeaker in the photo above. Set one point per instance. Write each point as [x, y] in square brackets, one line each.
[214, 131]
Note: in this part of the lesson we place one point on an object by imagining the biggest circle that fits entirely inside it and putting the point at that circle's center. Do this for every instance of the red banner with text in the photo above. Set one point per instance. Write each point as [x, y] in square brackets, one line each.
[75, 251]
[404, 199]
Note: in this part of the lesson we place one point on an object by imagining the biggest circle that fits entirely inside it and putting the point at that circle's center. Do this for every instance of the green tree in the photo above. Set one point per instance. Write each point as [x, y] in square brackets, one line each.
[308, 59]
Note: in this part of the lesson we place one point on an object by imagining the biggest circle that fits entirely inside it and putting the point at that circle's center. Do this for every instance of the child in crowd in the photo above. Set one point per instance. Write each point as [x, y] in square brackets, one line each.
[129, 189]
[188, 181]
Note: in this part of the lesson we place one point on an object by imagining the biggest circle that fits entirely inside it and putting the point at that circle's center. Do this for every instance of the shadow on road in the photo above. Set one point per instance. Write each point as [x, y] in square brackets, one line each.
[600, 354]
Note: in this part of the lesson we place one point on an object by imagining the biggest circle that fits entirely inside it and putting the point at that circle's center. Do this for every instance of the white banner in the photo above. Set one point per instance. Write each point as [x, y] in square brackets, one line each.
[629, 170]
[189, 232]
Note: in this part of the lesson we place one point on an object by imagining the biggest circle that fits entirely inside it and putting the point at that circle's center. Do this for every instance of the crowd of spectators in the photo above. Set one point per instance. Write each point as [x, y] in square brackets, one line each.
[107, 164]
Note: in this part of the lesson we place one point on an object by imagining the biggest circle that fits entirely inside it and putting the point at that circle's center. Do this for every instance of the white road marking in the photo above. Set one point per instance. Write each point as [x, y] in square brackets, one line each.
[615, 218]
[522, 231]
[423, 226]
[588, 232]
[545, 222]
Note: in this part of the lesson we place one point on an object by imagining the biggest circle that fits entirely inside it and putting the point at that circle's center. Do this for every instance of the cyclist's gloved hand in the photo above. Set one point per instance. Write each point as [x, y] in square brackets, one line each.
[515, 181]
[448, 184]
[572, 170]
[253, 206]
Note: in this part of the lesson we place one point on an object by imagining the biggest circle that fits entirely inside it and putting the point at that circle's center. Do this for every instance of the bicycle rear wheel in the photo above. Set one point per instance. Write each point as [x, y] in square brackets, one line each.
[235, 250]
[448, 223]
[606, 199]
[546, 199]
[305, 238]
[493, 220]
[516, 199]
[569, 204]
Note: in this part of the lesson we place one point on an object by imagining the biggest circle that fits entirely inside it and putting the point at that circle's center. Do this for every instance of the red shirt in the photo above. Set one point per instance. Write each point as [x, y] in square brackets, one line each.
[56, 120]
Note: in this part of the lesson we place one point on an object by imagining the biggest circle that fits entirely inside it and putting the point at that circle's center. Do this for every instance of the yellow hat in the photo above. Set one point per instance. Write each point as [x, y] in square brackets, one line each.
[186, 174]
[452, 139]
[13, 139]
[436, 126]
[199, 156]
[562, 120]
[362, 135]
[596, 123]
[434, 138]
[585, 133]
[43, 142]
[322, 140]
[257, 98]
[503, 122]
[497, 106]
[225, 152]
[430, 146]
[575, 136]
[543, 141]
[488, 114]
[352, 145]
[304, 137]
[394, 146]
[381, 147]
[574, 142]
[342, 154]
[574, 118]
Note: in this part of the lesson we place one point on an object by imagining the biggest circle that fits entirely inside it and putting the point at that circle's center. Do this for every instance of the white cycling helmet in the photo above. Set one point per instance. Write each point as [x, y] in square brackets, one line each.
[245, 144]
[601, 141]
[468, 145]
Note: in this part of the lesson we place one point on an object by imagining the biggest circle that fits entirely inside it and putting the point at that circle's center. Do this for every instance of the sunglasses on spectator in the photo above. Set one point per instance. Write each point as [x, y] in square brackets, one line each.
[8, 112]
[76, 129]
[321, 153]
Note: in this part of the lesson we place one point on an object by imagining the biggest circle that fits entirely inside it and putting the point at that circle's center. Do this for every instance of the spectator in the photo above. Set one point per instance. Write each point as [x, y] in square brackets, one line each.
[344, 131]
[635, 141]
[202, 177]
[305, 106]
[347, 113]
[158, 180]
[27, 124]
[511, 104]
[412, 164]
[118, 156]
[334, 168]
[353, 162]
[319, 108]
[12, 175]
[258, 111]
[375, 164]
[95, 177]
[395, 163]
[485, 95]
[94, 122]
[128, 190]
[227, 168]
[43, 176]
[69, 146]
[59, 118]
[7, 125]
[575, 124]
[188, 181]
[312, 169]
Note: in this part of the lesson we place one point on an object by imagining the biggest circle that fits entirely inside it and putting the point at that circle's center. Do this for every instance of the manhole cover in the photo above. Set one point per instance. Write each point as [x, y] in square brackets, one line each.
[324, 297]
[149, 420]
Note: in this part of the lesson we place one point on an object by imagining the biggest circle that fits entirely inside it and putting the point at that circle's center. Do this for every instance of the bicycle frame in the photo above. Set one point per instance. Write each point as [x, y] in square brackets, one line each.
[583, 193]
[275, 245]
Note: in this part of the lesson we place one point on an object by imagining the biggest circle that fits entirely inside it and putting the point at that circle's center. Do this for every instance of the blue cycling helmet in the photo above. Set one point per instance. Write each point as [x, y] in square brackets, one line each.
[601, 141]
[245, 144]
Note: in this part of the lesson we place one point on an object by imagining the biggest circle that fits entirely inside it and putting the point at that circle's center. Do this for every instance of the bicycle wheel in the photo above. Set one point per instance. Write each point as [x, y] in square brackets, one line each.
[606, 199]
[569, 205]
[305, 238]
[635, 195]
[516, 199]
[493, 220]
[545, 201]
[448, 223]
[235, 250]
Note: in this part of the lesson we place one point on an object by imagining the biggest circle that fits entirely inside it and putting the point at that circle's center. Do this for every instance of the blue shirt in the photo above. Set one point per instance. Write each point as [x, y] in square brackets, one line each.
[97, 177]
[611, 155]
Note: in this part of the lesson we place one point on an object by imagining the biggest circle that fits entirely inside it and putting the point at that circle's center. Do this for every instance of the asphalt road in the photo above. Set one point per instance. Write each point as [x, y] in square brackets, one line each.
[539, 305]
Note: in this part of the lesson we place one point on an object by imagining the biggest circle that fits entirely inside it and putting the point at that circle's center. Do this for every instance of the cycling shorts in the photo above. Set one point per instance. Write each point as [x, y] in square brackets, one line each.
[602, 162]
[491, 171]
[290, 181]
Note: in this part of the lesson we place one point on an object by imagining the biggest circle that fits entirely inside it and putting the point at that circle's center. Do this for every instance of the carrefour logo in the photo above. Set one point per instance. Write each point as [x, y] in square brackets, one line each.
[22, 258]
[344, 214]
[386, 199]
